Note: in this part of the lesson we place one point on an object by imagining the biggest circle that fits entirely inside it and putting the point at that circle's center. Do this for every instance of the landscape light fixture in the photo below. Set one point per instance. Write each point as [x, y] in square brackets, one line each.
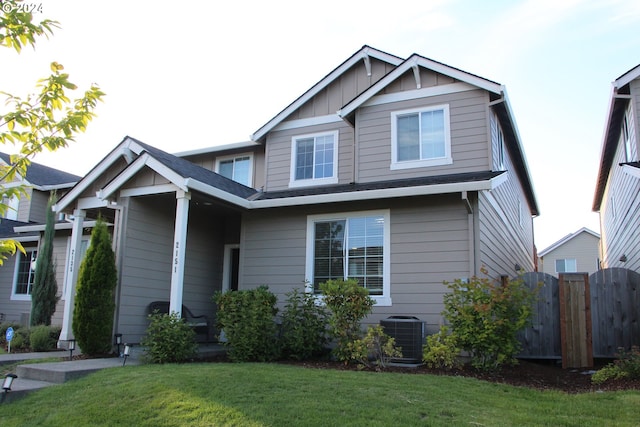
[127, 353]
[118, 341]
[6, 385]
[72, 346]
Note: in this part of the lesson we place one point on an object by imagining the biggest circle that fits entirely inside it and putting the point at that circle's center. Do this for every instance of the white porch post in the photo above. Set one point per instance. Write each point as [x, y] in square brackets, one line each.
[71, 275]
[179, 249]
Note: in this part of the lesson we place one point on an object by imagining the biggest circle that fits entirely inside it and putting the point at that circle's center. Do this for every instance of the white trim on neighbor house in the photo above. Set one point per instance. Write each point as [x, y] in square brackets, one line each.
[421, 161]
[333, 179]
[566, 239]
[631, 170]
[627, 77]
[383, 300]
[363, 54]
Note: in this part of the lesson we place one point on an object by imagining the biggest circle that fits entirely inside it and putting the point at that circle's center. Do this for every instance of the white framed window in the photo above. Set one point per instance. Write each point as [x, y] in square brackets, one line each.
[24, 274]
[567, 265]
[350, 245]
[12, 203]
[237, 168]
[314, 159]
[420, 137]
[626, 138]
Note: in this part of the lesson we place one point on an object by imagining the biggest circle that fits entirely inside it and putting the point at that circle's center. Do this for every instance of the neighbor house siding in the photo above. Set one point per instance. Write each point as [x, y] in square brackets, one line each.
[620, 215]
[583, 248]
[469, 146]
[24, 207]
[38, 206]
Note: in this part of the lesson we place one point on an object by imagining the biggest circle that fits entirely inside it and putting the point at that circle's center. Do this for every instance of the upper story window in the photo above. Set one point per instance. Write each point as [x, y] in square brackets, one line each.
[626, 138]
[421, 137]
[12, 203]
[314, 159]
[237, 168]
[568, 265]
[352, 245]
[24, 274]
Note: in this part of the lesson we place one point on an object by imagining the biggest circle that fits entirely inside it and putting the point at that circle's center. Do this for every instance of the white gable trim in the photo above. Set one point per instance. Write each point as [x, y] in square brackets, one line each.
[361, 55]
[311, 121]
[627, 77]
[416, 94]
[416, 60]
[566, 239]
[631, 170]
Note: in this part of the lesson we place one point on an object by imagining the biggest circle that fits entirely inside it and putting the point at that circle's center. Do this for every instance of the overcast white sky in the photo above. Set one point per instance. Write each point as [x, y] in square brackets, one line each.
[187, 75]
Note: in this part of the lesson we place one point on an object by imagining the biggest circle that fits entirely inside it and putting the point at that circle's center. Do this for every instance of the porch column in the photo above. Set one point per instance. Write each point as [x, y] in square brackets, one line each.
[71, 275]
[179, 250]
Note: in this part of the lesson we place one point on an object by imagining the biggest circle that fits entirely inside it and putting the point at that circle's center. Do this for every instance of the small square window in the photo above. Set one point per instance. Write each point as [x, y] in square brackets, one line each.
[24, 274]
[237, 168]
[568, 265]
[314, 160]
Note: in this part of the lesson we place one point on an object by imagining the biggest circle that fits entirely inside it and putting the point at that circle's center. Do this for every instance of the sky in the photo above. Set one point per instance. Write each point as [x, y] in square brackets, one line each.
[189, 75]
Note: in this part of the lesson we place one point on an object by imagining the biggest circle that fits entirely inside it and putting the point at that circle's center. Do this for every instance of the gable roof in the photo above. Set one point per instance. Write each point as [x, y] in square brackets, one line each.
[361, 55]
[566, 239]
[7, 230]
[43, 177]
[617, 106]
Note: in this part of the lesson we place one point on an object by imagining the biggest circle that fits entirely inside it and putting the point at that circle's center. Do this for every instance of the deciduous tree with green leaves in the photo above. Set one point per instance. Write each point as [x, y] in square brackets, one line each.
[45, 120]
[45, 287]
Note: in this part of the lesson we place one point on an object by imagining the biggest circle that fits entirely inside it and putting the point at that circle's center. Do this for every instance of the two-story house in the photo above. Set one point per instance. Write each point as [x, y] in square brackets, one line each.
[401, 173]
[575, 252]
[24, 222]
[618, 184]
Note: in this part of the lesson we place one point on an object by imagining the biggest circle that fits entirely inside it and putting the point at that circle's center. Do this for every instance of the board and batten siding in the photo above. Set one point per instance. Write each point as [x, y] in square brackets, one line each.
[620, 214]
[469, 136]
[279, 155]
[429, 244]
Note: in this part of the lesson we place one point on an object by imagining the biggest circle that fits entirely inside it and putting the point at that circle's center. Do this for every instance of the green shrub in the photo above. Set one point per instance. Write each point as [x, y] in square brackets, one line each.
[486, 316]
[375, 349]
[304, 326]
[248, 320]
[41, 338]
[20, 339]
[441, 350]
[168, 340]
[349, 304]
[626, 365]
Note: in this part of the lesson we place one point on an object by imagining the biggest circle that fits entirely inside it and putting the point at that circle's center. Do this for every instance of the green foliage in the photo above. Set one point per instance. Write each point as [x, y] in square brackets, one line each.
[441, 350]
[45, 120]
[41, 338]
[304, 326]
[486, 316]
[21, 339]
[375, 349]
[626, 365]
[45, 287]
[94, 303]
[169, 339]
[349, 304]
[247, 318]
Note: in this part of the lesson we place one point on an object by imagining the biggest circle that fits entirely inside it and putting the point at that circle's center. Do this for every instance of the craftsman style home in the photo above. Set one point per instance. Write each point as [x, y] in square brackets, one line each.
[618, 185]
[401, 173]
[24, 222]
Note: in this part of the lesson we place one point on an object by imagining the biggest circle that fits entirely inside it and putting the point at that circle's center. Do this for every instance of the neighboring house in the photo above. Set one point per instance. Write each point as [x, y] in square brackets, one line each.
[618, 185]
[401, 173]
[575, 252]
[24, 222]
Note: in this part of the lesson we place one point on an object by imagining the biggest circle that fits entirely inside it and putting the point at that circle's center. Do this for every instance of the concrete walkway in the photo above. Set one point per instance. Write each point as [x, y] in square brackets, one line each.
[34, 376]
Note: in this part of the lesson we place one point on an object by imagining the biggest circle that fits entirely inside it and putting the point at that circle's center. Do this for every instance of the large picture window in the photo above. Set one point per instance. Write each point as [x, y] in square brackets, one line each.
[314, 159]
[24, 274]
[420, 137]
[354, 245]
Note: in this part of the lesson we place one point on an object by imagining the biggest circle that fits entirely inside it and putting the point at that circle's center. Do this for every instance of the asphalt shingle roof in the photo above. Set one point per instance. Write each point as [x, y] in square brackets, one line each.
[42, 175]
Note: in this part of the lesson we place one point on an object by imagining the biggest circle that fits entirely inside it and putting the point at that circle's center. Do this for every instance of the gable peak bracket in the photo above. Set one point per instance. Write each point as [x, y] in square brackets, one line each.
[367, 62]
[416, 75]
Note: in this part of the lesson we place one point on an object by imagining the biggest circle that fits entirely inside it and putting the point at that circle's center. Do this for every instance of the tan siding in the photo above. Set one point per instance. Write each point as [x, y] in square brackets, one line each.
[583, 248]
[12, 310]
[468, 137]
[24, 207]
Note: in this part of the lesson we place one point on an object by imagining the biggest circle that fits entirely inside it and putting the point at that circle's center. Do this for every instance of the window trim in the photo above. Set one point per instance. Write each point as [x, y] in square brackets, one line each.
[293, 182]
[234, 157]
[383, 300]
[436, 161]
[14, 295]
[564, 260]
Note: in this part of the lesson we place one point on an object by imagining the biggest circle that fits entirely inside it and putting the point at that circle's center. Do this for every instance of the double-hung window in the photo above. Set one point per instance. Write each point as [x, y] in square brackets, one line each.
[354, 246]
[314, 159]
[568, 265]
[24, 274]
[420, 137]
[237, 168]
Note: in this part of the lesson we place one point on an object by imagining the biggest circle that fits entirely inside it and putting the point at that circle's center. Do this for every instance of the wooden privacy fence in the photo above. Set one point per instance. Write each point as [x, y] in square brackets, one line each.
[613, 299]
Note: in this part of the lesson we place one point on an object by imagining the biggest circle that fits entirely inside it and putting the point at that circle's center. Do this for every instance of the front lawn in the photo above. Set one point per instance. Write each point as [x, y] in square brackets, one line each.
[224, 394]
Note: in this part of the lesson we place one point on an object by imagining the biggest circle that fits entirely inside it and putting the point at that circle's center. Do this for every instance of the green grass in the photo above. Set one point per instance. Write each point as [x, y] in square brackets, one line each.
[220, 394]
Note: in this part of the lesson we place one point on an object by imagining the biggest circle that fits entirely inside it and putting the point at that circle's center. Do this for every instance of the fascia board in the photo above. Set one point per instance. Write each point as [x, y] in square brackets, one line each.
[627, 77]
[123, 177]
[57, 226]
[631, 170]
[386, 193]
[193, 184]
[358, 56]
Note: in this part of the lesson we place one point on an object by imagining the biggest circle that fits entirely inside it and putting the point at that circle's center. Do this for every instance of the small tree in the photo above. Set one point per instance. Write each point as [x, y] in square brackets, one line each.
[94, 303]
[45, 287]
